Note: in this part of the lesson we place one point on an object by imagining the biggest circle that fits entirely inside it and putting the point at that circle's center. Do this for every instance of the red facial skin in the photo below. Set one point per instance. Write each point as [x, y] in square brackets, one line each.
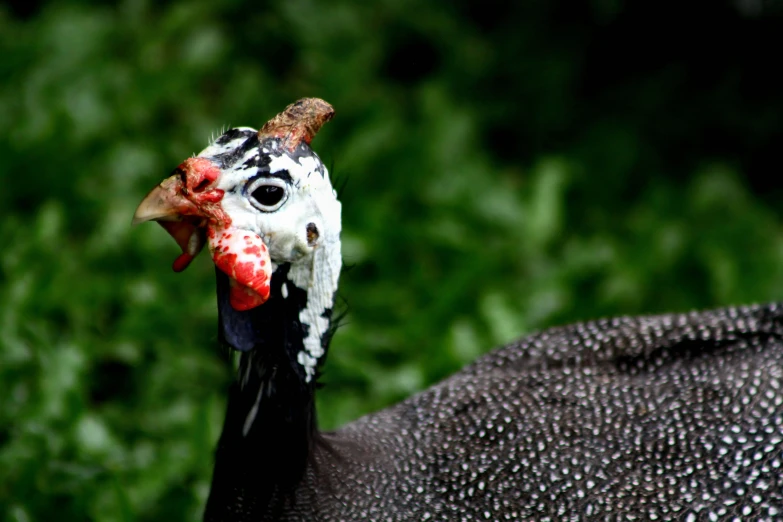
[241, 254]
[197, 180]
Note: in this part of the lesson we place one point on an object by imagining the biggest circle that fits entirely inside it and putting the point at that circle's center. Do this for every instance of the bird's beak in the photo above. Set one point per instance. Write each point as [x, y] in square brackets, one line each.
[194, 218]
[164, 202]
[178, 215]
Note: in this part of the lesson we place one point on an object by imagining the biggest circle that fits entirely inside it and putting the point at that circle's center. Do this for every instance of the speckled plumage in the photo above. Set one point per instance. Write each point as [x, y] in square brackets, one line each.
[672, 417]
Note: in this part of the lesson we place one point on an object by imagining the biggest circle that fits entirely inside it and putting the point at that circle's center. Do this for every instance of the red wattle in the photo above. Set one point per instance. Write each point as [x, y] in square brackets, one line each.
[244, 257]
[243, 298]
[182, 262]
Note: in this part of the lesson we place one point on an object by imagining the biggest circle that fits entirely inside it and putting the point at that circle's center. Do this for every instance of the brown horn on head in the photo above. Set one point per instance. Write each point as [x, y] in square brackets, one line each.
[299, 122]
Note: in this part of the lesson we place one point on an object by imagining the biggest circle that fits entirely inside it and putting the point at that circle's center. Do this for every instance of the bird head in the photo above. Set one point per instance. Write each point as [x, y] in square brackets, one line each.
[258, 200]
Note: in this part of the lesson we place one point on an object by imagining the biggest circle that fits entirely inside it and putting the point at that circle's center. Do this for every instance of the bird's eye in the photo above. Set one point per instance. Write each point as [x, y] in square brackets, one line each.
[267, 194]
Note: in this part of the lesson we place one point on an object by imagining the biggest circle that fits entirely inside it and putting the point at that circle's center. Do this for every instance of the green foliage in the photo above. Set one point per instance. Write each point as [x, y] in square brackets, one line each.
[488, 194]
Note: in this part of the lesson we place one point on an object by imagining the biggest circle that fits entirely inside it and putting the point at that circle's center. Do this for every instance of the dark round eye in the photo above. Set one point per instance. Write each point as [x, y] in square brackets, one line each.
[268, 195]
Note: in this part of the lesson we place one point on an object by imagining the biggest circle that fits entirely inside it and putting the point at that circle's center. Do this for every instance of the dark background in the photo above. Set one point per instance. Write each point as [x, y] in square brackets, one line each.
[507, 166]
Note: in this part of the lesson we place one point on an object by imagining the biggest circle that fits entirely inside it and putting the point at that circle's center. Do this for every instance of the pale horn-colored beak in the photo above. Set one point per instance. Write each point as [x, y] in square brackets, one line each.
[166, 205]
[163, 203]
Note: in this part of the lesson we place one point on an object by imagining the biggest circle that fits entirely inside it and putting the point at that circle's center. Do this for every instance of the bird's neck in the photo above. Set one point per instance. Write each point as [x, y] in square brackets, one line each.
[270, 424]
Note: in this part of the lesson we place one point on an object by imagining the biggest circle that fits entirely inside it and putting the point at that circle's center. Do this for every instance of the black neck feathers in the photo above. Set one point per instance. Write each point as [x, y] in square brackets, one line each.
[270, 423]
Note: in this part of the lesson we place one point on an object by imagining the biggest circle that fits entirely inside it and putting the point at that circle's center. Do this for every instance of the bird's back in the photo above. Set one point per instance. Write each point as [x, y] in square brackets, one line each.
[670, 417]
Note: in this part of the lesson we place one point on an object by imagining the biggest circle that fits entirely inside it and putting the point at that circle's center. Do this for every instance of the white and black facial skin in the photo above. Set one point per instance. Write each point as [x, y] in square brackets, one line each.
[286, 198]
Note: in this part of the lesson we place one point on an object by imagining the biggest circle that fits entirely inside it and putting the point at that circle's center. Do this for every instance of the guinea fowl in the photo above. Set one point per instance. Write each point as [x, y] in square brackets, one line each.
[669, 417]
